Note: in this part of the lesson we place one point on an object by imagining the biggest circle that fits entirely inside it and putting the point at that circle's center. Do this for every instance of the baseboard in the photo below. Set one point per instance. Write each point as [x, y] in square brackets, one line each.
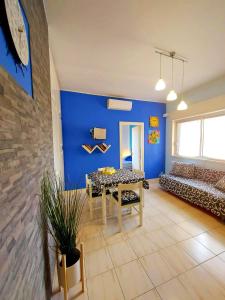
[78, 190]
[153, 180]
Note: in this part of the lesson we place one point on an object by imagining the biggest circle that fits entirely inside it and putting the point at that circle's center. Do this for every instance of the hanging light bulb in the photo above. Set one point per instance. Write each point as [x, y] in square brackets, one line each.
[182, 105]
[172, 94]
[160, 85]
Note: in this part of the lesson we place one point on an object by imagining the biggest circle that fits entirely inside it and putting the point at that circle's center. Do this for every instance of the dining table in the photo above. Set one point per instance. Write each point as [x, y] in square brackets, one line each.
[103, 182]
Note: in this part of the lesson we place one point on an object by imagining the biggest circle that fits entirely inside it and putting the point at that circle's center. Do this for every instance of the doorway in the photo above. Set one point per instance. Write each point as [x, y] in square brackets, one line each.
[131, 145]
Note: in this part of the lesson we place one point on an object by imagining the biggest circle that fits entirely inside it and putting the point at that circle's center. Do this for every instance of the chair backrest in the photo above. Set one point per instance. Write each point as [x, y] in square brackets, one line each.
[131, 187]
[88, 184]
[139, 172]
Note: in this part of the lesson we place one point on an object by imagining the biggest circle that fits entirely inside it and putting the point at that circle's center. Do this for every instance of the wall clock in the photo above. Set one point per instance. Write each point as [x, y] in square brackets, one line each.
[17, 30]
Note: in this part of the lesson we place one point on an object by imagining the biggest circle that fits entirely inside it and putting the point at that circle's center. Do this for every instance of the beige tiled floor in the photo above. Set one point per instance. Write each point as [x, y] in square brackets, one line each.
[178, 253]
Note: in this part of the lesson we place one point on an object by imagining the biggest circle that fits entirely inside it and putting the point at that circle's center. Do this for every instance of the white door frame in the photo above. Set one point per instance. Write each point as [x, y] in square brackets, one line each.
[141, 124]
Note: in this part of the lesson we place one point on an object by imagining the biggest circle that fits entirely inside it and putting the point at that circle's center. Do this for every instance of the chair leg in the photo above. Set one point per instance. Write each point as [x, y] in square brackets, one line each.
[141, 213]
[91, 208]
[120, 218]
[111, 205]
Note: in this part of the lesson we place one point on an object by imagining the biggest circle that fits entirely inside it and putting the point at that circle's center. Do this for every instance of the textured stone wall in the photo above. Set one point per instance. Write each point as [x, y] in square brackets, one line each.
[25, 152]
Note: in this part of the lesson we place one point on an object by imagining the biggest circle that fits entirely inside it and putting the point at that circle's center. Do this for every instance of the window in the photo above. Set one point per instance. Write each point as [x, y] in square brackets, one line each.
[201, 138]
[214, 137]
[189, 134]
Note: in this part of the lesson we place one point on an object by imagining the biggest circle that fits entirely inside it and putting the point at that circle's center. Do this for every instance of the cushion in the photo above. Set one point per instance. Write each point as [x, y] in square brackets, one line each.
[186, 170]
[145, 184]
[128, 158]
[220, 185]
[208, 175]
[197, 184]
[96, 192]
[128, 197]
[198, 192]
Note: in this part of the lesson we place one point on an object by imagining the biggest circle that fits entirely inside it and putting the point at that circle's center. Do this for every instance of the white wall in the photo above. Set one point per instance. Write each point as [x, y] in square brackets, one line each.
[207, 98]
[56, 121]
[126, 140]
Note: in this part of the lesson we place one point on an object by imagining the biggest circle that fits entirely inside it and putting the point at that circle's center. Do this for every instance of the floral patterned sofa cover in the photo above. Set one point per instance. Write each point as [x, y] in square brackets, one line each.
[200, 186]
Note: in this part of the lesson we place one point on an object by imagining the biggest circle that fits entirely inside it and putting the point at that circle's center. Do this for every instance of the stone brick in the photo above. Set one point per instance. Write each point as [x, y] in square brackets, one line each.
[26, 150]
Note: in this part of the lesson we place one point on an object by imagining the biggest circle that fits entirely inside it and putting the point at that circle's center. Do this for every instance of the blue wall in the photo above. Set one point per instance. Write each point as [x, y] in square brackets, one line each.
[8, 63]
[81, 112]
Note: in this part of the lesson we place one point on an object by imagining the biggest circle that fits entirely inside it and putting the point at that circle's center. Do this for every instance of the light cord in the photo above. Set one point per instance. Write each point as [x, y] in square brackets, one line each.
[182, 86]
[172, 74]
[160, 64]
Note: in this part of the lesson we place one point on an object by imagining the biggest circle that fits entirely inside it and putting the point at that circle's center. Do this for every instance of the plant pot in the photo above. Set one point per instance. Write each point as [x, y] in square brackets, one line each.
[73, 275]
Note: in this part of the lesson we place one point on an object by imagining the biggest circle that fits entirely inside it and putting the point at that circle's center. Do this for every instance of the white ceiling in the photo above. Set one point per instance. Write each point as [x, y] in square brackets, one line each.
[106, 47]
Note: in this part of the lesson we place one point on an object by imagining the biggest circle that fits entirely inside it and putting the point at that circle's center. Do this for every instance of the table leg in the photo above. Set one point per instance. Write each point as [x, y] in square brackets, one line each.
[104, 206]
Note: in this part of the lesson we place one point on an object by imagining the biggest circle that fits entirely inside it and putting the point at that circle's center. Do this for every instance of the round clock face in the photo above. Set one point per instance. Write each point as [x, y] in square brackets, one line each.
[18, 30]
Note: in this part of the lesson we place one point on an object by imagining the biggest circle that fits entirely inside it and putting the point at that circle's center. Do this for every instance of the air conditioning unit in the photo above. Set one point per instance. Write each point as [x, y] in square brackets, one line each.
[119, 104]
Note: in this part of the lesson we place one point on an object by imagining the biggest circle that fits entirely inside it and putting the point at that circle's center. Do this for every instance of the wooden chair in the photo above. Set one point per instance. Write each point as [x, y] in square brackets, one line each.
[127, 196]
[142, 173]
[93, 193]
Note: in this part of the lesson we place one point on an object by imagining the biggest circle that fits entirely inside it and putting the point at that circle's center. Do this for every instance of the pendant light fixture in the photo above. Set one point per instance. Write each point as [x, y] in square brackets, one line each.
[182, 105]
[160, 85]
[172, 94]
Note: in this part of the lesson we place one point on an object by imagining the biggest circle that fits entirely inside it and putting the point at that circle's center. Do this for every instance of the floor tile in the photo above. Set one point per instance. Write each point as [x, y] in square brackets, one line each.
[160, 238]
[111, 234]
[121, 253]
[178, 259]
[90, 230]
[150, 224]
[158, 260]
[150, 211]
[216, 268]
[195, 249]
[97, 262]
[208, 222]
[192, 228]
[202, 285]
[218, 233]
[138, 230]
[162, 220]
[176, 232]
[177, 217]
[211, 242]
[130, 223]
[173, 290]
[115, 238]
[133, 279]
[142, 245]
[74, 293]
[157, 268]
[104, 287]
[151, 295]
[94, 243]
[222, 256]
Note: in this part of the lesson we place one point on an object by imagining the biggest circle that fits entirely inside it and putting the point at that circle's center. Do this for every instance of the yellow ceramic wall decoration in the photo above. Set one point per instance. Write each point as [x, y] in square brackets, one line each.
[154, 121]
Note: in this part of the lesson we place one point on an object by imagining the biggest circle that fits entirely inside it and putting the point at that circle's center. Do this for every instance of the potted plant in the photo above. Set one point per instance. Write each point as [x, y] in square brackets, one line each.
[61, 212]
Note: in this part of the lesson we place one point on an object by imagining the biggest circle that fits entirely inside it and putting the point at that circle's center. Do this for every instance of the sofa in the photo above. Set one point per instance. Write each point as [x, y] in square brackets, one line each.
[200, 186]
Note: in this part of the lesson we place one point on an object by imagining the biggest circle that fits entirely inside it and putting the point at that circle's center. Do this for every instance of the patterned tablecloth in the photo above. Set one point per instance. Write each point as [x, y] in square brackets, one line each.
[121, 176]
